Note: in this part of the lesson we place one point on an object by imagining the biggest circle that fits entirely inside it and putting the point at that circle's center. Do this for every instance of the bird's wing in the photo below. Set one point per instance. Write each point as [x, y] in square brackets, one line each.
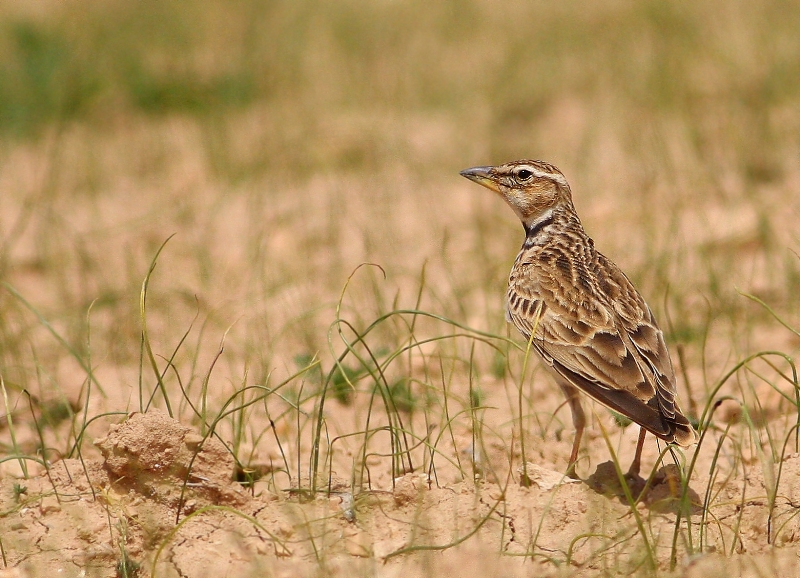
[603, 340]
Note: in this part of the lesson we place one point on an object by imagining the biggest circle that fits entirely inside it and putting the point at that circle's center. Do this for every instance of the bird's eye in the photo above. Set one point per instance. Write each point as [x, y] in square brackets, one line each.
[524, 174]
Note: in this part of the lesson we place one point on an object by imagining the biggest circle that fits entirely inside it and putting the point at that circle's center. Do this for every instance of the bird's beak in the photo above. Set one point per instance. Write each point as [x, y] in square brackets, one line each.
[482, 176]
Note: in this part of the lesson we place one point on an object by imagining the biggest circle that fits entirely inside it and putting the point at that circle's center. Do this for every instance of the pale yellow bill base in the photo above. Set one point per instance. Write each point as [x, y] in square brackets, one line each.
[480, 175]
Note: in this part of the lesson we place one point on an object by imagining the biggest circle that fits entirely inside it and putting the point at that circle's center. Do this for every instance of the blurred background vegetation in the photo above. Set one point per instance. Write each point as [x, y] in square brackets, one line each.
[498, 69]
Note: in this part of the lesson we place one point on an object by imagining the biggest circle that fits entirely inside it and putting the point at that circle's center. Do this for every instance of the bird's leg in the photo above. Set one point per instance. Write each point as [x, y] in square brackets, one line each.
[578, 420]
[633, 471]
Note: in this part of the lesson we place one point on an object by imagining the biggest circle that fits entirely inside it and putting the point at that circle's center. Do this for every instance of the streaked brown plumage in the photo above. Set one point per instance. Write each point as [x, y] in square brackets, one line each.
[592, 328]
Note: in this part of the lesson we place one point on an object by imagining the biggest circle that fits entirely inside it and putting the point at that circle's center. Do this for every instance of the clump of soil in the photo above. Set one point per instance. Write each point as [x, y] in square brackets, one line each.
[156, 456]
[99, 515]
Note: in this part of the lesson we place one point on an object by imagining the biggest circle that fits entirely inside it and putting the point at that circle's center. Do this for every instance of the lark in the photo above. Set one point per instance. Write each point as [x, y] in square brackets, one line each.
[590, 325]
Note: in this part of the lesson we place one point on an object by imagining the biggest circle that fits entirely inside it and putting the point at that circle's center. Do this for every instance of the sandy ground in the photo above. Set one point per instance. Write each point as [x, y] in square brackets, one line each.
[76, 518]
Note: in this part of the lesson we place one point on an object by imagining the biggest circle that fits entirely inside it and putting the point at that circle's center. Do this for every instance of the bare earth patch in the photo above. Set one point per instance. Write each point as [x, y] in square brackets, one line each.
[79, 518]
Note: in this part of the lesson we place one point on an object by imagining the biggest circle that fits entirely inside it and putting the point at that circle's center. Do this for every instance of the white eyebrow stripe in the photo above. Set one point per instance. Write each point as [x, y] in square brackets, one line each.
[539, 173]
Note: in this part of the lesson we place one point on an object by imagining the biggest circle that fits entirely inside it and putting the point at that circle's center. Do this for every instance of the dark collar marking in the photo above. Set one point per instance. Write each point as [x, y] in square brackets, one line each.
[532, 232]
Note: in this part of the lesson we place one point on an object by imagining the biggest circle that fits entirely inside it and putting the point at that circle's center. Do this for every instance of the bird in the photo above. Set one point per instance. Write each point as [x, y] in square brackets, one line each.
[581, 314]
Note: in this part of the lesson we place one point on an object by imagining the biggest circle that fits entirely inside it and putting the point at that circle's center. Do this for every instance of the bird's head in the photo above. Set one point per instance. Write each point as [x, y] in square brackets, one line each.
[531, 188]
